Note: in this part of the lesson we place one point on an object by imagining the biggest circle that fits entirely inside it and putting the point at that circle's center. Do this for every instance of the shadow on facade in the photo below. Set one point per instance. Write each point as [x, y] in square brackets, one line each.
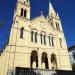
[24, 71]
[29, 71]
[64, 72]
[73, 67]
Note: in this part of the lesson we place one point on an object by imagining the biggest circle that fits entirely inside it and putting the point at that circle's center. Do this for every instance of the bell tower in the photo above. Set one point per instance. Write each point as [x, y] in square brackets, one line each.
[54, 18]
[22, 9]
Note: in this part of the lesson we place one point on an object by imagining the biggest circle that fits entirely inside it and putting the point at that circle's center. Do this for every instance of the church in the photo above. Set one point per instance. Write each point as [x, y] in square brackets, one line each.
[37, 45]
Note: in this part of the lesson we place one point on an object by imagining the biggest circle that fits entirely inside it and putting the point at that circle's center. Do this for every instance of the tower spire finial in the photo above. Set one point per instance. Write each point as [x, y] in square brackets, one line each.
[41, 13]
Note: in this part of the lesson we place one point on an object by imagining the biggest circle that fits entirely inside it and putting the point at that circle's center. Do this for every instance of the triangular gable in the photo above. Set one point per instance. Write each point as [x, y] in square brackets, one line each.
[42, 23]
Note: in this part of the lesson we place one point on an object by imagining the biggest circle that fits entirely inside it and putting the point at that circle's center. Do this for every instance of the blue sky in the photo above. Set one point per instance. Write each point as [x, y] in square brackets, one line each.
[65, 9]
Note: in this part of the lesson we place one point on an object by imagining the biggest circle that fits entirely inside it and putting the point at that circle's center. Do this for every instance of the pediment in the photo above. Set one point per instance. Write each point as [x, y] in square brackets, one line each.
[41, 22]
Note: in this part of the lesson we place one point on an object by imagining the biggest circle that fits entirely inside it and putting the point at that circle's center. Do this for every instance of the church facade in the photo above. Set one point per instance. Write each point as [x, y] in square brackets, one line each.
[37, 43]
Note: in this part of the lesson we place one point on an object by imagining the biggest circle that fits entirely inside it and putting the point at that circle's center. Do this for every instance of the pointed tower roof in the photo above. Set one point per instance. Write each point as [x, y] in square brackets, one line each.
[41, 13]
[51, 10]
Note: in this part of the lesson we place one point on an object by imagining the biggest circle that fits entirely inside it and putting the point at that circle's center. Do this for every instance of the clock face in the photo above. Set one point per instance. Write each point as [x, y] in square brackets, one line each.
[42, 24]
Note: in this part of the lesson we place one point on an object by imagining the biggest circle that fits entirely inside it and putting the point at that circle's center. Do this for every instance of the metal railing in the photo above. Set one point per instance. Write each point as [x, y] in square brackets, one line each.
[28, 71]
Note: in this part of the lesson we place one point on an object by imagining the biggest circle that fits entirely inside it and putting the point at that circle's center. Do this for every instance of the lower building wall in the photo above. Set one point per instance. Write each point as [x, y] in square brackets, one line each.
[17, 58]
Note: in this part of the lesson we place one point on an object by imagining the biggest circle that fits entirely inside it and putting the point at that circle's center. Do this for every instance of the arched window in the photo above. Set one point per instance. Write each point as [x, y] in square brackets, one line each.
[44, 61]
[34, 59]
[25, 12]
[21, 11]
[60, 42]
[43, 38]
[32, 33]
[21, 32]
[57, 26]
[34, 36]
[51, 40]
[53, 61]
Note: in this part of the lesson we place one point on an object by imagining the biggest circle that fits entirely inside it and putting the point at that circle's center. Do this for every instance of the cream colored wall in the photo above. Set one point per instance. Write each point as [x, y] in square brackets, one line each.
[18, 51]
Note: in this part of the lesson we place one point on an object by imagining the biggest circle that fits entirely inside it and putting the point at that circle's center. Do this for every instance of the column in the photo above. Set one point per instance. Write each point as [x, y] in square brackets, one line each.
[49, 61]
[29, 60]
[39, 61]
